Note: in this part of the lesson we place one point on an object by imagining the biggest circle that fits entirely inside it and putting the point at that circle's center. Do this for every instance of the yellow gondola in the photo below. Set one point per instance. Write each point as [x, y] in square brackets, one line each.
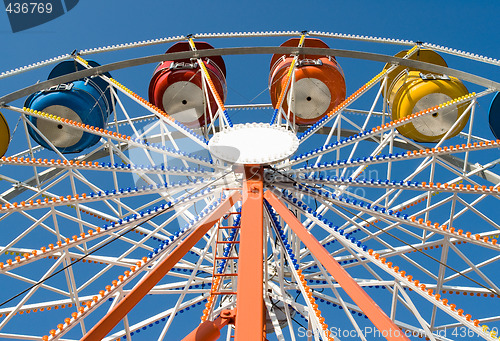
[411, 91]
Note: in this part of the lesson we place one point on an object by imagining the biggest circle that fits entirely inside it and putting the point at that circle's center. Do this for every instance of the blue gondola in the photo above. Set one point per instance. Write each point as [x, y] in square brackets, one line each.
[86, 101]
[494, 116]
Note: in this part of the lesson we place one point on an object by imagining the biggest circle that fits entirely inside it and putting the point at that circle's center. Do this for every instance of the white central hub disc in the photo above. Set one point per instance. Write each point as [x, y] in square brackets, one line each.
[253, 143]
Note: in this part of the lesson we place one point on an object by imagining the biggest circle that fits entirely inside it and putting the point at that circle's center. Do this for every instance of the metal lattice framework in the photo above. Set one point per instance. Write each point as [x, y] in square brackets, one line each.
[363, 230]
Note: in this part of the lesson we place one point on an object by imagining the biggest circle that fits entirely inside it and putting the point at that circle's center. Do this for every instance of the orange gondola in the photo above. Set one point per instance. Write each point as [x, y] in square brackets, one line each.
[318, 87]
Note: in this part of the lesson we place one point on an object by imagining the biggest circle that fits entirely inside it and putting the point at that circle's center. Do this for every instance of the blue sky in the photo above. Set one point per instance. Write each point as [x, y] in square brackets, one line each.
[466, 25]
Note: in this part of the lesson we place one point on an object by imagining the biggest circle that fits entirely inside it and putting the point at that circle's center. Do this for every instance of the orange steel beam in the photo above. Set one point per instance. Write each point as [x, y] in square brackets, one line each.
[250, 303]
[381, 321]
[115, 315]
[210, 330]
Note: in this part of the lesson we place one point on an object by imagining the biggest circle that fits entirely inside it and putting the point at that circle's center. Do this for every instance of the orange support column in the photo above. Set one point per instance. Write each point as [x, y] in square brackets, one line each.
[250, 303]
[378, 317]
[115, 315]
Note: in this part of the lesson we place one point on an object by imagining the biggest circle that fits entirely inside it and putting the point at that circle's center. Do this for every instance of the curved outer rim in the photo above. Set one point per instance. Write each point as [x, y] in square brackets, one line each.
[246, 51]
[112, 64]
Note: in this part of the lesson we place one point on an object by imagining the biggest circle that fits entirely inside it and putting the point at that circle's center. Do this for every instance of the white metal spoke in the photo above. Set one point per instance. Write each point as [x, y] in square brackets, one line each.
[413, 222]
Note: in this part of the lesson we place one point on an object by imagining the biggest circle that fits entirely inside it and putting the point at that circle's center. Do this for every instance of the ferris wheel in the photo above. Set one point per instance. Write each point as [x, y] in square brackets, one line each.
[343, 209]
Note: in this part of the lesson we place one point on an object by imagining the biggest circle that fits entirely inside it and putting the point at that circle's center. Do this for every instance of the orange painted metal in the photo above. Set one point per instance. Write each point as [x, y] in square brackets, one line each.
[108, 322]
[381, 321]
[210, 330]
[318, 69]
[250, 321]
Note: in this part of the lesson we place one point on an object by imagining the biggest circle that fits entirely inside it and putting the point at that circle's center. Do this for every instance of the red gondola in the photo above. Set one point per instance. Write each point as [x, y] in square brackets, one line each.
[176, 86]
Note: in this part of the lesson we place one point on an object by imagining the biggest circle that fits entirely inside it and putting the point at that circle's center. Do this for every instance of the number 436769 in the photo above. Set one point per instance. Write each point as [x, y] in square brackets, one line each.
[464, 332]
[29, 7]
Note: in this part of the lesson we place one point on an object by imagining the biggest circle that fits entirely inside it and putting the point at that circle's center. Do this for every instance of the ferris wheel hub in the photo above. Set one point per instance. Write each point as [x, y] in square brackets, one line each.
[253, 143]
